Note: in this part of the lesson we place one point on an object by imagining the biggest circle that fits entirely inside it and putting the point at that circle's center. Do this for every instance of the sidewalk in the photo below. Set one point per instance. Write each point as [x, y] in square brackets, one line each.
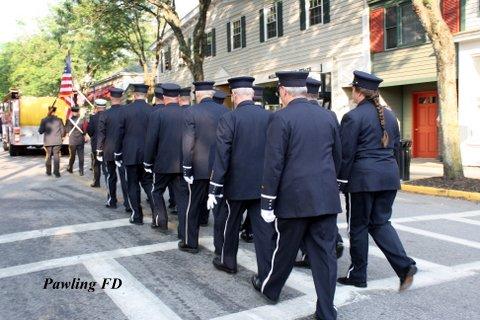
[426, 168]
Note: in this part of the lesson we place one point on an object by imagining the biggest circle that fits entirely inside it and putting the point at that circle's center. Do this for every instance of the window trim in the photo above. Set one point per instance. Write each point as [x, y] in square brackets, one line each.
[265, 20]
[307, 14]
[232, 34]
[400, 44]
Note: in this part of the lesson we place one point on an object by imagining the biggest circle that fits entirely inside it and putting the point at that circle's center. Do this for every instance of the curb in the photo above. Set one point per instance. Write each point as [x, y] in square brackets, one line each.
[470, 196]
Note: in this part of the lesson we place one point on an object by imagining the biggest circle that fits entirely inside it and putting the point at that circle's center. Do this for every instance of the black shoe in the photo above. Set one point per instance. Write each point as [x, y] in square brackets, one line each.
[339, 249]
[407, 280]
[81, 173]
[129, 210]
[57, 175]
[257, 284]
[349, 282]
[111, 206]
[172, 206]
[246, 236]
[173, 210]
[48, 173]
[183, 247]
[217, 263]
[304, 263]
[95, 185]
[134, 221]
[70, 170]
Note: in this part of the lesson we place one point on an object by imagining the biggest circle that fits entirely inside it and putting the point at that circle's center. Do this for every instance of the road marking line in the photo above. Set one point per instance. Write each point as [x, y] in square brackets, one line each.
[133, 298]
[463, 220]
[73, 260]
[439, 236]
[63, 230]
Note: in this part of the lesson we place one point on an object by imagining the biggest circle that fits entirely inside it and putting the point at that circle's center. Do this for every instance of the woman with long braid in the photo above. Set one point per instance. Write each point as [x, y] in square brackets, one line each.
[369, 177]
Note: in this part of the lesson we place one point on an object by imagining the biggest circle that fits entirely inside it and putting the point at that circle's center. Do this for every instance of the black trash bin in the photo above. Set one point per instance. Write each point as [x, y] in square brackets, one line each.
[404, 156]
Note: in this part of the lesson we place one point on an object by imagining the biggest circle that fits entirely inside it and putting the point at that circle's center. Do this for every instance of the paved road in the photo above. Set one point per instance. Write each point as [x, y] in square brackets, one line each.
[59, 229]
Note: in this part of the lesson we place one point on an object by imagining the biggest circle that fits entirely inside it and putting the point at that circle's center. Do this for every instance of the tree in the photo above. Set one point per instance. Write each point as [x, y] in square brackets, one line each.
[442, 40]
[193, 57]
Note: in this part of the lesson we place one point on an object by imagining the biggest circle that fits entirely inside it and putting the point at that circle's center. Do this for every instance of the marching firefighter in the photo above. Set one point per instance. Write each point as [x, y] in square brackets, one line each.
[76, 129]
[92, 131]
[53, 131]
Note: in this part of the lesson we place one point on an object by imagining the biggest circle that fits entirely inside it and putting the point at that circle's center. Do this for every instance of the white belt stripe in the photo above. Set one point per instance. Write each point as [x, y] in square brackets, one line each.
[216, 184]
[268, 197]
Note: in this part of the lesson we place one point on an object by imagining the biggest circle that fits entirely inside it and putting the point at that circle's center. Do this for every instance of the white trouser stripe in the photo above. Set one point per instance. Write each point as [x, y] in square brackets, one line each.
[349, 215]
[187, 212]
[128, 196]
[153, 201]
[226, 225]
[108, 188]
[273, 256]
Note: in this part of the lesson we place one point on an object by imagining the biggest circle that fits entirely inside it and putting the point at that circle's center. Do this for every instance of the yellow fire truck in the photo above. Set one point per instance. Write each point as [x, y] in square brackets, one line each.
[21, 119]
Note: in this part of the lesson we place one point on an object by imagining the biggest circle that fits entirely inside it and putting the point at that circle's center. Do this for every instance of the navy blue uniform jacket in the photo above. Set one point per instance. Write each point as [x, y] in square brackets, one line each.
[366, 164]
[163, 147]
[108, 125]
[92, 130]
[199, 136]
[132, 132]
[240, 151]
[302, 159]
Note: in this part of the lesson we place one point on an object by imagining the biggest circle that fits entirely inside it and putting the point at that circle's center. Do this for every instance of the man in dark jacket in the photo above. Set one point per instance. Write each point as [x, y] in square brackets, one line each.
[92, 131]
[76, 127]
[300, 192]
[53, 131]
[199, 136]
[130, 147]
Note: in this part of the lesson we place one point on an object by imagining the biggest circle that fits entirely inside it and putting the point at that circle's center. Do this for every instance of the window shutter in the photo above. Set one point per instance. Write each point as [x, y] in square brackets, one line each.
[214, 43]
[229, 38]
[244, 32]
[377, 37]
[303, 15]
[451, 14]
[262, 25]
[189, 43]
[326, 11]
[280, 18]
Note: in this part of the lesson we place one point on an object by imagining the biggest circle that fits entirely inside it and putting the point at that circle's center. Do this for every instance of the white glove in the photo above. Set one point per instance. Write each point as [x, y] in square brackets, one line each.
[100, 159]
[188, 179]
[148, 170]
[268, 215]
[211, 202]
[118, 163]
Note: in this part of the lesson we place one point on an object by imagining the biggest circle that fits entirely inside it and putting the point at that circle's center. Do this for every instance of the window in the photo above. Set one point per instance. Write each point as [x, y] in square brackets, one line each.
[315, 12]
[208, 45]
[271, 21]
[402, 27]
[168, 59]
[237, 34]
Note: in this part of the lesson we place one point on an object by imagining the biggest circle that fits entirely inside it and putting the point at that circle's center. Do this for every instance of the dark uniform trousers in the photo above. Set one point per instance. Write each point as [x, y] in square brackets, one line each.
[370, 214]
[171, 196]
[177, 184]
[137, 176]
[98, 167]
[319, 235]
[76, 150]
[52, 151]
[190, 221]
[231, 216]
[112, 184]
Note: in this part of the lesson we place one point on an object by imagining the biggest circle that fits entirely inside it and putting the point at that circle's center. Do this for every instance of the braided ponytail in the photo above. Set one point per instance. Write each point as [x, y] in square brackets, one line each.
[374, 97]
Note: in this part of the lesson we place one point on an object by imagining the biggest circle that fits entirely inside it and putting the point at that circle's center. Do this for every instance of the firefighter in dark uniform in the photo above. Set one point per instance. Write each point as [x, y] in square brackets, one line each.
[237, 176]
[108, 127]
[53, 131]
[159, 103]
[370, 177]
[163, 155]
[92, 131]
[219, 96]
[199, 136]
[76, 129]
[246, 233]
[129, 149]
[300, 192]
[313, 87]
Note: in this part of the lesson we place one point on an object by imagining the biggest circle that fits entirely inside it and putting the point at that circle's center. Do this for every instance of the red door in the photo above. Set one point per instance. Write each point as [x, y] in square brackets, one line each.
[425, 139]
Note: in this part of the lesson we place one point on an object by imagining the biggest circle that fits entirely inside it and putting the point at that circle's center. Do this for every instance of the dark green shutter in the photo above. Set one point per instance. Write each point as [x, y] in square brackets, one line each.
[326, 11]
[262, 26]
[280, 18]
[303, 15]
[214, 44]
[229, 38]
[244, 32]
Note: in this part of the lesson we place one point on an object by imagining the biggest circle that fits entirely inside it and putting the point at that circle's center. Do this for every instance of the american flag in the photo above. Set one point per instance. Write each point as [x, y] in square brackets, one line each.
[66, 84]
